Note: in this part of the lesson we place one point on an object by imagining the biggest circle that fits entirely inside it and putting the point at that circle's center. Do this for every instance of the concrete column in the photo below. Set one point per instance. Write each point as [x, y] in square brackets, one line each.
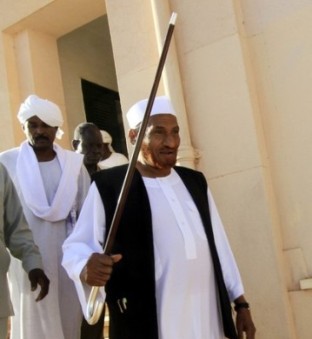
[172, 79]
[137, 49]
[7, 120]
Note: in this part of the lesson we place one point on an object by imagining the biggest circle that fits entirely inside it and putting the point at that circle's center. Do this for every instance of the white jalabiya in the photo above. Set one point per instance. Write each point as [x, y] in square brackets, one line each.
[115, 159]
[58, 315]
[187, 305]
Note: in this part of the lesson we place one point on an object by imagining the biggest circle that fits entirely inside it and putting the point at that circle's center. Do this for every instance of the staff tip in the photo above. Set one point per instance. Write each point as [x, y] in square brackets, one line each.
[173, 18]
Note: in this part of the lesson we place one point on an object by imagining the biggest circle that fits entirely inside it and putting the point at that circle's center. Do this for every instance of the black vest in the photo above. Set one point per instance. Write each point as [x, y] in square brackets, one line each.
[133, 277]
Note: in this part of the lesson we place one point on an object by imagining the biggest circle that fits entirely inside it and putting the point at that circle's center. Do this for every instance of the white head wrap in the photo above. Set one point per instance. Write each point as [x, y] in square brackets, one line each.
[107, 139]
[161, 105]
[44, 109]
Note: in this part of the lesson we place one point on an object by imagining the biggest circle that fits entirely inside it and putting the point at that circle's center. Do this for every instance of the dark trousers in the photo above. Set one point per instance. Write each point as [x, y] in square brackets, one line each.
[93, 331]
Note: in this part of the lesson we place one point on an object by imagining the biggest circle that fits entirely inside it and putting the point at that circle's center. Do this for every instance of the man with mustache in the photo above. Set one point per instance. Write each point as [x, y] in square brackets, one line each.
[177, 276]
[51, 183]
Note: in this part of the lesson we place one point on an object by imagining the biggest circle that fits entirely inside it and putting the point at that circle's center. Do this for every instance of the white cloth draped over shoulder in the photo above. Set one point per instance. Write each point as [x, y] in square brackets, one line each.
[187, 306]
[51, 206]
[32, 187]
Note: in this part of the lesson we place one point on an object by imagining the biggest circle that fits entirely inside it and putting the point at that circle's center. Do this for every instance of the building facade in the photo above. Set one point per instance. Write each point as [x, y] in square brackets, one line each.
[239, 75]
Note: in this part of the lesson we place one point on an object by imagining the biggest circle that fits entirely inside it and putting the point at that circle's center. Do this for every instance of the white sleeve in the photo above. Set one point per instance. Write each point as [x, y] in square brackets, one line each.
[86, 238]
[229, 267]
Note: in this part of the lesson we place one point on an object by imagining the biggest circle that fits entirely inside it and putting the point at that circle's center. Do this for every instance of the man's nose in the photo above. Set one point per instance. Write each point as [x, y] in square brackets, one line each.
[170, 140]
[40, 130]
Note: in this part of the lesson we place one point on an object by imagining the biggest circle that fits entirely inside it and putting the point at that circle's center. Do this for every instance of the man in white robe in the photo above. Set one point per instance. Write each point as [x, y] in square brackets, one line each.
[51, 183]
[183, 298]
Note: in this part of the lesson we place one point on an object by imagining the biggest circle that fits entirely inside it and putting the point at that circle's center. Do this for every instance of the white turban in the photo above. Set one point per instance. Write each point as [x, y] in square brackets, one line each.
[44, 109]
[161, 105]
[107, 139]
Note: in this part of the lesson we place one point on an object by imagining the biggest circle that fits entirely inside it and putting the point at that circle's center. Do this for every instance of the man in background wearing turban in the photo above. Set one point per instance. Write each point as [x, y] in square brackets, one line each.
[177, 276]
[110, 158]
[52, 184]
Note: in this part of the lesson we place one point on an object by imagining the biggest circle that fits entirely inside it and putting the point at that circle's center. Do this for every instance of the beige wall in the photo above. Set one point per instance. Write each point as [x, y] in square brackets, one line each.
[239, 75]
[30, 60]
[280, 44]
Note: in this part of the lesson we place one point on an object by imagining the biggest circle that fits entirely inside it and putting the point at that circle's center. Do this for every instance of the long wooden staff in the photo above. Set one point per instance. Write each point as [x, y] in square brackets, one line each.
[94, 306]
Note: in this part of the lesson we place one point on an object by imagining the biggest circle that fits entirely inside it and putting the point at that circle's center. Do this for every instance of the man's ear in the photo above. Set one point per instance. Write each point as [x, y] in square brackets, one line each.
[75, 144]
[132, 136]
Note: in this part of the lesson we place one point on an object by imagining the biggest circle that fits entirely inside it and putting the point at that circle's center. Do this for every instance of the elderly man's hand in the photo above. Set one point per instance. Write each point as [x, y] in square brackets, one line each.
[38, 277]
[245, 324]
[99, 268]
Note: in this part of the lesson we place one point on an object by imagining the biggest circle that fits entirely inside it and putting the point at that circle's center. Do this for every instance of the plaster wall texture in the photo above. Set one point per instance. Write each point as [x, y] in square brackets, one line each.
[239, 73]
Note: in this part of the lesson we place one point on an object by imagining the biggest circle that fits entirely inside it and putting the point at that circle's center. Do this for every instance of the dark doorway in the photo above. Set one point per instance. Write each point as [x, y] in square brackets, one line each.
[102, 107]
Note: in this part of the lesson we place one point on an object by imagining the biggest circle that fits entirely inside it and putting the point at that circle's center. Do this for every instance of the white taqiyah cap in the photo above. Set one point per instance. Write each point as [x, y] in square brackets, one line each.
[44, 109]
[161, 105]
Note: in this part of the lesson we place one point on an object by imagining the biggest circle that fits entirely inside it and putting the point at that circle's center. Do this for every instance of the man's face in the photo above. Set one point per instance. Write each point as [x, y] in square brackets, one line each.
[161, 142]
[91, 146]
[39, 135]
